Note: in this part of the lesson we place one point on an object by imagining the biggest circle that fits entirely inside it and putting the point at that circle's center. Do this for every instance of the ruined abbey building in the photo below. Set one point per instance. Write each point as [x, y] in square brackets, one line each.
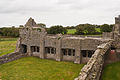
[34, 41]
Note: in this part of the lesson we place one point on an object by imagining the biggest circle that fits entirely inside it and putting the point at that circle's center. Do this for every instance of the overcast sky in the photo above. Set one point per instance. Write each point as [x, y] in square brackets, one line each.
[58, 12]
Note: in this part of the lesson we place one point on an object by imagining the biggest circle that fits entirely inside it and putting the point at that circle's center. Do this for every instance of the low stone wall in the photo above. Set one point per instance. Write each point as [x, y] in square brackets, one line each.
[107, 35]
[92, 70]
[10, 57]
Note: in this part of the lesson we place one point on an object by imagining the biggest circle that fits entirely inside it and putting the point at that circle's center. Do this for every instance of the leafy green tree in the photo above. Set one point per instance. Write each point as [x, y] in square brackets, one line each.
[57, 30]
[106, 28]
[21, 26]
[85, 29]
[80, 29]
[90, 29]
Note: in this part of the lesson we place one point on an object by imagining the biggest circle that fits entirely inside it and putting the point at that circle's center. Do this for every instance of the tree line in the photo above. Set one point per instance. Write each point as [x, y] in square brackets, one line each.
[9, 32]
[81, 29]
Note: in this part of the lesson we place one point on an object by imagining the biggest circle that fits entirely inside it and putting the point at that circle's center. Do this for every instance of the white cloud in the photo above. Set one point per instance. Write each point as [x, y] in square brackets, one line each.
[64, 12]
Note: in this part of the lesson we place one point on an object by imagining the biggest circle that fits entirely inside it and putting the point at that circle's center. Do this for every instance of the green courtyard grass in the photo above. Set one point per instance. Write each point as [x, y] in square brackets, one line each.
[32, 68]
[7, 45]
[111, 72]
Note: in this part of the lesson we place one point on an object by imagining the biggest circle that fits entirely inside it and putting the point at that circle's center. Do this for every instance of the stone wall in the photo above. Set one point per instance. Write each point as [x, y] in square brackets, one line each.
[10, 57]
[92, 70]
[107, 35]
[32, 37]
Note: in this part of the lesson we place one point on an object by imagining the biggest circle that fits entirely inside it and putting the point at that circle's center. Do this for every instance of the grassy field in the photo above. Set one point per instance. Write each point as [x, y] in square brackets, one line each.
[111, 72]
[98, 29]
[7, 45]
[32, 68]
[71, 31]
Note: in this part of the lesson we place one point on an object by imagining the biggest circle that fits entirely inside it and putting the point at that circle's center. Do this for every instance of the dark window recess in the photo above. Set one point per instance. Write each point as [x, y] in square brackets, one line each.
[24, 48]
[87, 53]
[50, 50]
[90, 53]
[35, 49]
[38, 49]
[113, 48]
[73, 52]
[64, 51]
[84, 53]
[69, 52]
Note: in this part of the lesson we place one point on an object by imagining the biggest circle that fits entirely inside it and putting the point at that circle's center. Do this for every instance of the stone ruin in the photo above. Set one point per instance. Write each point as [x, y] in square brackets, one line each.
[95, 51]
[34, 41]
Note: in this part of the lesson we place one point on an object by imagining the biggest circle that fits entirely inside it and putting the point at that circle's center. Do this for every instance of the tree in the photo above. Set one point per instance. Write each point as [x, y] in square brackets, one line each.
[90, 29]
[85, 29]
[80, 29]
[106, 28]
[10, 32]
[56, 30]
[21, 26]
[42, 25]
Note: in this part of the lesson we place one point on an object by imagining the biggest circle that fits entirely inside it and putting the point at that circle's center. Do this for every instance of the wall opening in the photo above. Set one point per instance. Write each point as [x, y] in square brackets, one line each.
[87, 53]
[68, 52]
[23, 48]
[113, 48]
[50, 50]
[35, 49]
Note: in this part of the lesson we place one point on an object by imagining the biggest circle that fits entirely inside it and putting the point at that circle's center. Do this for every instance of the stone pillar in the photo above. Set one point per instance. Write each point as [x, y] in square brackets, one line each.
[50, 50]
[67, 52]
[54, 51]
[29, 50]
[58, 47]
[71, 52]
[78, 53]
[42, 45]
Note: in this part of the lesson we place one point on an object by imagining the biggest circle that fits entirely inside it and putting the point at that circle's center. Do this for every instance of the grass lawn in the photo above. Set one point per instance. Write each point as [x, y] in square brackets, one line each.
[111, 72]
[71, 31]
[7, 45]
[32, 68]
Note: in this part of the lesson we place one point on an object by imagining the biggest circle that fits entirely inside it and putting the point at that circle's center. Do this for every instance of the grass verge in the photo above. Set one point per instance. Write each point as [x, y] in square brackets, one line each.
[7, 45]
[111, 72]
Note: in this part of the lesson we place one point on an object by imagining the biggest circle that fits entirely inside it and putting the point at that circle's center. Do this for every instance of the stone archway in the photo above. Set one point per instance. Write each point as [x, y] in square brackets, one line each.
[23, 48]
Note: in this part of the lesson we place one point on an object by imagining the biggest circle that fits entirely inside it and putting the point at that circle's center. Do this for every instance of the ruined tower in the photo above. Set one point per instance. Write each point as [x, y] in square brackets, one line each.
[116, 28]
[31, 23]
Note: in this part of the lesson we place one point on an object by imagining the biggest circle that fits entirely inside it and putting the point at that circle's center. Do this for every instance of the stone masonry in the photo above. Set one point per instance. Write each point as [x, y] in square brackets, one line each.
[34, 41]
